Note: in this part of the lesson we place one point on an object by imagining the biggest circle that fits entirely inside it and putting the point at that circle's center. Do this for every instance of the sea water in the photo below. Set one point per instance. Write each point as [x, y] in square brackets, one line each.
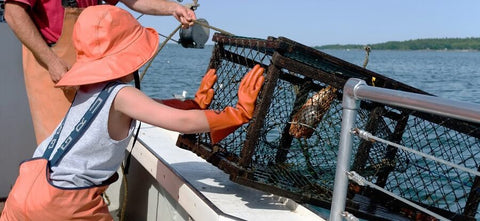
[448, 74]
[176, 69]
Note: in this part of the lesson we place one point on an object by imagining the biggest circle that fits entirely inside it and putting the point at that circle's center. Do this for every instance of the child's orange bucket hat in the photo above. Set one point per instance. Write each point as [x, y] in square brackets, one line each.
[110, 44]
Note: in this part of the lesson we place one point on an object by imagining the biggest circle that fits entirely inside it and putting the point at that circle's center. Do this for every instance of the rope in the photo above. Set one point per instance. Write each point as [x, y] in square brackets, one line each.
[125, 190]
[159, 49]
[170, 39]
[214, 28]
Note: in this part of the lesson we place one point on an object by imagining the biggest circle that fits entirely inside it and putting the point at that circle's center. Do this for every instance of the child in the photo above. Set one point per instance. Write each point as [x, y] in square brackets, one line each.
[65, 179]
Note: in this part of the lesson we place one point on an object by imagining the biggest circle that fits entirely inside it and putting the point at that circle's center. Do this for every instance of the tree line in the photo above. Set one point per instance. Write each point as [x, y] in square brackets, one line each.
[417, 44]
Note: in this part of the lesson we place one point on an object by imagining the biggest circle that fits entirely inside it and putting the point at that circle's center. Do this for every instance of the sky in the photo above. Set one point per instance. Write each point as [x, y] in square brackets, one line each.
[322, 22]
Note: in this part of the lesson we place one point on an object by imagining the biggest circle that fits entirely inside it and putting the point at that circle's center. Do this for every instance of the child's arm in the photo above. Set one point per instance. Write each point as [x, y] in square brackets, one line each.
[135, 104]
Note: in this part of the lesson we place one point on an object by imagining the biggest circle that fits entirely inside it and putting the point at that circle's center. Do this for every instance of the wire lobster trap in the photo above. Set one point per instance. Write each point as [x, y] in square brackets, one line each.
[290, 146]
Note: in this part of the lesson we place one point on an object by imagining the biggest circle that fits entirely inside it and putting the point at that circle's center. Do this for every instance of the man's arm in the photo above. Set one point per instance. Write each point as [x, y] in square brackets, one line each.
[163, 7]
[26, 31]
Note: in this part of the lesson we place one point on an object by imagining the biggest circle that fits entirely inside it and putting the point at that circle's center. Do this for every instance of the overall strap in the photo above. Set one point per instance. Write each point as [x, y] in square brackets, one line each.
[79, 129]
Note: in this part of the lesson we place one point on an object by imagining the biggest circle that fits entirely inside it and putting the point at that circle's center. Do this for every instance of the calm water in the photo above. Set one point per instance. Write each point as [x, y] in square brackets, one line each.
[448, 74]
[176, 69]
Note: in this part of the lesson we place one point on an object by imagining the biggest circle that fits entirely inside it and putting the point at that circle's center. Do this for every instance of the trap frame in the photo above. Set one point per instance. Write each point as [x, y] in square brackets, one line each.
[263, 154]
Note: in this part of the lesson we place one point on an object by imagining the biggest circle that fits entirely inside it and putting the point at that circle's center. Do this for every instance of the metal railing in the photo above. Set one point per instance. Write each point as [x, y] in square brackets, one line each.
[356, 90]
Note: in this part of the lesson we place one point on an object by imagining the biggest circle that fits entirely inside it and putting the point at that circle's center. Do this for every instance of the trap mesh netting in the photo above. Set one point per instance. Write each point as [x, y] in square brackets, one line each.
[290, 146]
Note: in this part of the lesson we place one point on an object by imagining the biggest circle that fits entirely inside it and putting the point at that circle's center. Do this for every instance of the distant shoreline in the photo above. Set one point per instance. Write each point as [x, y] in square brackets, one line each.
[419, 50]
[431, 44]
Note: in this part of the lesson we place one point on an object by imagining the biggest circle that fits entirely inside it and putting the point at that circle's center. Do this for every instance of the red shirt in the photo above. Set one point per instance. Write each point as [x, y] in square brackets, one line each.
[48, 15]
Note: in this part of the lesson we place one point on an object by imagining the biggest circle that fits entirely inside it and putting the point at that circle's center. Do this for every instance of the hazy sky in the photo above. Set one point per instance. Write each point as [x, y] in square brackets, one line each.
[319, 22]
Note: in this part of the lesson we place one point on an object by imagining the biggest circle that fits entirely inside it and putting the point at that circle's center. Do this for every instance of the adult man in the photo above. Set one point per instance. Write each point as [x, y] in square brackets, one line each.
[45, 28]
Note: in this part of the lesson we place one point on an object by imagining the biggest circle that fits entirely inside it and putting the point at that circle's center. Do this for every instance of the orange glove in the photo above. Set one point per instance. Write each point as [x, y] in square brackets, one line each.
[203, 97]
[225, 122]
[205, 92]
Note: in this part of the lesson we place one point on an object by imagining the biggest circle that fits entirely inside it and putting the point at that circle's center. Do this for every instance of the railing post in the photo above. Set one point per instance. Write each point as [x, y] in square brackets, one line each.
[350, 106]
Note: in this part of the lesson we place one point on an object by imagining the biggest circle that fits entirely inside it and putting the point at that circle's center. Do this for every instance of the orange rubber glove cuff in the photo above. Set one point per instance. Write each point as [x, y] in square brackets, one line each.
[183, 105]
[224, 123]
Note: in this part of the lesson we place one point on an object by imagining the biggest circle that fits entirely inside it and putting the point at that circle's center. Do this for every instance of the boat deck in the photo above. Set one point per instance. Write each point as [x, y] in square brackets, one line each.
[203, 190]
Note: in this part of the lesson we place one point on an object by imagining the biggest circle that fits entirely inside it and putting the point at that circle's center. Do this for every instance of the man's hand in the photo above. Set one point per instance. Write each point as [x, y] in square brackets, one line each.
[184, 15]
[57, 68]
[22, 25]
